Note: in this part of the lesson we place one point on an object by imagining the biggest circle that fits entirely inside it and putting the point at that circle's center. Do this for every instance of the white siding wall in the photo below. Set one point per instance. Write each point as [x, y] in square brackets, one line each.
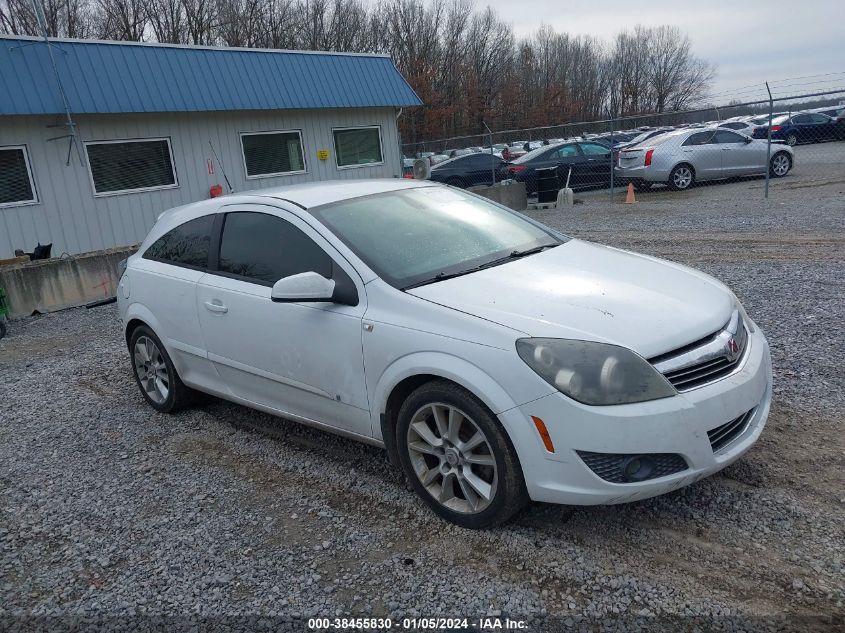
[68, 215]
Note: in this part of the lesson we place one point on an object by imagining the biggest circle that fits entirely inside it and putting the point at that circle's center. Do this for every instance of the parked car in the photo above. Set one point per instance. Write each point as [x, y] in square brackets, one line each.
[684, 157]
[437, 158]
[458, 152]
[590, 163]
[617, 138]
[804, 127]
[425, 154]
[835, 112]
[408, 167]
[466, 171]
[513, 151]
[643, 136]
[745, 127]
[495, 359]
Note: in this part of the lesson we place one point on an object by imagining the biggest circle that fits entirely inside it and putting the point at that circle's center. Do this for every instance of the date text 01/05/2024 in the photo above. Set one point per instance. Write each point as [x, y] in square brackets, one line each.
[486, 623]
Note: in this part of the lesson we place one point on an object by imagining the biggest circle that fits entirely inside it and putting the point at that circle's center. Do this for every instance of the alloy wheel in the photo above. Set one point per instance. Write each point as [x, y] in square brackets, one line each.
[682, 177]
[780, 165]
[791, 140]
[151, 369]
[452, 458]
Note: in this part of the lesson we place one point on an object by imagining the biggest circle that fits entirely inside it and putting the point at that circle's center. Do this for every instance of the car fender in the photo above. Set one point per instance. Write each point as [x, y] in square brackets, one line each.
[458, 370]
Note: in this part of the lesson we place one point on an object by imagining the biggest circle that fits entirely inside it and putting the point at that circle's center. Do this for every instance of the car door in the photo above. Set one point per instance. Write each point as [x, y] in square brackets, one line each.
[801, 127]
[739, 158]
[300, 359]
[164, 279]
[566, 157]
[480, 169]
[597, 163]
[822, 127]
[702, 152]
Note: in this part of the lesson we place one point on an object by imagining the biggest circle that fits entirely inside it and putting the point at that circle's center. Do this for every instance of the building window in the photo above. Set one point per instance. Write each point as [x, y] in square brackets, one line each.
[358, 146]
[272, 153]
[16, 186]
[130, 166]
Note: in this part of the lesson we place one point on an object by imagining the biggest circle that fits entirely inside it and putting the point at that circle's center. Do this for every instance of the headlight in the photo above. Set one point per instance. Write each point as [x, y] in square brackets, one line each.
[594, 373]
[746, 319]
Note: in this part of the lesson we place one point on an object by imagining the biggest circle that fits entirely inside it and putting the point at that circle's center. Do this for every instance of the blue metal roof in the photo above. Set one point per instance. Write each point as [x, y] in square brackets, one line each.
[115, 77]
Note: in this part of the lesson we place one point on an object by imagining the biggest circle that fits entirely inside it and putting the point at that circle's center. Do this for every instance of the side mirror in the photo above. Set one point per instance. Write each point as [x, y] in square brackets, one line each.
[303, 287]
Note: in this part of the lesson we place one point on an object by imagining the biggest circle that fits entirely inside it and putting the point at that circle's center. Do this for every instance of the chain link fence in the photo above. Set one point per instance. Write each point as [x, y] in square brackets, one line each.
[767, 143]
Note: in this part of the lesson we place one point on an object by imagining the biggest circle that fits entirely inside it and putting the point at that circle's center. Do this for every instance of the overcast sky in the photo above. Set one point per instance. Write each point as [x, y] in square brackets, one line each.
[750, 41]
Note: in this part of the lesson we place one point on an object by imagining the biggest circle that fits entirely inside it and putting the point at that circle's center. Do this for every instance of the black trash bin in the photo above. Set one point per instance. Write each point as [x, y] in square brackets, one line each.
[547, 184]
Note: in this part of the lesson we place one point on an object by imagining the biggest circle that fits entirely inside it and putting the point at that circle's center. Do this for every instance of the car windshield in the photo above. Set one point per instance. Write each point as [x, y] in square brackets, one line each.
[423, 234]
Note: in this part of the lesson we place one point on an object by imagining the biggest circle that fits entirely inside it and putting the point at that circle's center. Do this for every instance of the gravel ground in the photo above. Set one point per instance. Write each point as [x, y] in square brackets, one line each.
[111, 511]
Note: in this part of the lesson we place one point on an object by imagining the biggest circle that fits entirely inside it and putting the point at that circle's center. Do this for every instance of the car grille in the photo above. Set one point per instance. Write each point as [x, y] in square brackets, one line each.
[705, 360]
[702, 373]
[722, 436]
[609, 466]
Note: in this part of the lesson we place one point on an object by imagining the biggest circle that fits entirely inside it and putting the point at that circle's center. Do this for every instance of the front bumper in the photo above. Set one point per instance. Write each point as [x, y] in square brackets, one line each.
[672, 425]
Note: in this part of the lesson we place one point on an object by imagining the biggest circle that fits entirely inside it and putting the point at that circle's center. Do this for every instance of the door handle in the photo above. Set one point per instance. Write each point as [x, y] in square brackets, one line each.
[216, 307]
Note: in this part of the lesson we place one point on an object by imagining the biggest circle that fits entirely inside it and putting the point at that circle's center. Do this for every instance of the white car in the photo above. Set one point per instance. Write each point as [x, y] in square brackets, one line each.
[495, 359]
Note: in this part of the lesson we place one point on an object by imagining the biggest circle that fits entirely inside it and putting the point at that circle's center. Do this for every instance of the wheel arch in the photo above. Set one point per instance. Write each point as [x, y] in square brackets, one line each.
[136, 315]
[410, 372]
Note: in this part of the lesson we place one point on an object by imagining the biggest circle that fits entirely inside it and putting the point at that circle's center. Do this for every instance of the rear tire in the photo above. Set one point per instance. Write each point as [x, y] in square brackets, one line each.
[457, 457]
[155, 374]
[779, 165]
[681, 178]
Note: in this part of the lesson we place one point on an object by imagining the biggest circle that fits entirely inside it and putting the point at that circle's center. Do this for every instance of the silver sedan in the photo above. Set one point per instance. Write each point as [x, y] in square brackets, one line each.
[683, 157]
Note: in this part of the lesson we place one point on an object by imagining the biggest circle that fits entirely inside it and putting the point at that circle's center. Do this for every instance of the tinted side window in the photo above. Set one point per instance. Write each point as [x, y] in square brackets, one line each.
[565, 151]
[186, 245]
[724, 137]
[817, 118]
[265, 248]
[699, 138]
[801, 118]
[594, 149]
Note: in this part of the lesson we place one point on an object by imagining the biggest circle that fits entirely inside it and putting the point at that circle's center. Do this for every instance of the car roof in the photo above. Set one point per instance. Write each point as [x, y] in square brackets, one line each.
[314, 194]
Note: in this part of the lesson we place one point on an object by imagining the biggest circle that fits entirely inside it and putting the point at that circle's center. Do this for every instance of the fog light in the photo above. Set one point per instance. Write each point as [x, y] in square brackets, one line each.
[637, 468]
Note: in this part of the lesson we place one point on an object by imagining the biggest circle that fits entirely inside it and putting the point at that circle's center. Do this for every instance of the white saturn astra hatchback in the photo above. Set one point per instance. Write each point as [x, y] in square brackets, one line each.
[495, 359]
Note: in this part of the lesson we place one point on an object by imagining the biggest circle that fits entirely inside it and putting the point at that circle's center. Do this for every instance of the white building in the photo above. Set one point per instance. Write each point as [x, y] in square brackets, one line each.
[157, 126]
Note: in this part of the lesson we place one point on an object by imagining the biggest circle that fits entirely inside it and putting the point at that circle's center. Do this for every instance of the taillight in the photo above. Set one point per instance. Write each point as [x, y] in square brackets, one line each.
[776, 128]
[648, 156]
[515, 169]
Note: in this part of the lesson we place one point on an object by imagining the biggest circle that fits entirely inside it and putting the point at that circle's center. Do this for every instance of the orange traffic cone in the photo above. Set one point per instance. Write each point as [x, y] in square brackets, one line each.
[630, 199]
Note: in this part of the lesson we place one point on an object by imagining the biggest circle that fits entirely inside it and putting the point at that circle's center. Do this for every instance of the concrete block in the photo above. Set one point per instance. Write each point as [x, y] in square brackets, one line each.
[511, 194]
[53, 284]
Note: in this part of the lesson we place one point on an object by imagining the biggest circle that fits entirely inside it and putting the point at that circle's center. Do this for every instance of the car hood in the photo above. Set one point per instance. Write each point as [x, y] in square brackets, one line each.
[585, 291]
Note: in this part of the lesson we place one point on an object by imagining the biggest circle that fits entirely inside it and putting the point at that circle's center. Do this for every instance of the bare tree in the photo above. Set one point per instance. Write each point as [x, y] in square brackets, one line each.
[122, 19]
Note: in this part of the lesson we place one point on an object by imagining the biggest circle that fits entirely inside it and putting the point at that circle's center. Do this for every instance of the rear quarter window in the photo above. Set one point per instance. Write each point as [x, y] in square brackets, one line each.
[187, 245]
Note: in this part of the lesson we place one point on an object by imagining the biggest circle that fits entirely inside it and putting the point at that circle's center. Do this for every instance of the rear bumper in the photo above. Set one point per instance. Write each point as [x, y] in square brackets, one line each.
[676, 425]
[651, 173]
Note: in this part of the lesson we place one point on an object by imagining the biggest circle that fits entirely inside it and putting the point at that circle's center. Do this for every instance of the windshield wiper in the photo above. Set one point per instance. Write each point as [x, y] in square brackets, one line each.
[441, 276]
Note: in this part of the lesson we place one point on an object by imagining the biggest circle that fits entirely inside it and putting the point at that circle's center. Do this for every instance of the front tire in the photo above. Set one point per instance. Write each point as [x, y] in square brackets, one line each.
[779, 165]
[155, 374]
[681, 178]
[457, 457]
